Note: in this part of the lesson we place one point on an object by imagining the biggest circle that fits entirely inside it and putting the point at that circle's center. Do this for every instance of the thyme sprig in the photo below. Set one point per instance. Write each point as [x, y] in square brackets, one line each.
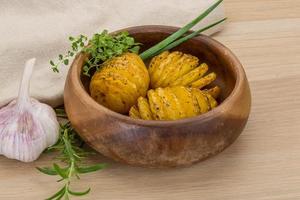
[104, 46]
[77, 44]
[72, 155]
[101, 47]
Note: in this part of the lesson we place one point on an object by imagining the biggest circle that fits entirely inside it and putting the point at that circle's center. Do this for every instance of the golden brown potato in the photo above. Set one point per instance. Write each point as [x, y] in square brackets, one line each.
[134, 112]
[202, 82]
[120, 82]
[172, 103]
[178, 69]
[144, 108]
[167, 67]
[214, 92]
[191, 76]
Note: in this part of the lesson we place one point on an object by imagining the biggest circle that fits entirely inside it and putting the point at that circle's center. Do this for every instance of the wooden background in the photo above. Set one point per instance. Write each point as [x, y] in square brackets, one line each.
[263, 164]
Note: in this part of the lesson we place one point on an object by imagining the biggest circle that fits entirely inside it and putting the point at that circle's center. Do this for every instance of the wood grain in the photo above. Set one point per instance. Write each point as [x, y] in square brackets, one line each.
[263, 164]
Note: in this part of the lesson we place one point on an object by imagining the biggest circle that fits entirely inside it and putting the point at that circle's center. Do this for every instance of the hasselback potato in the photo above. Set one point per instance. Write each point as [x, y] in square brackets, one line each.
[119, 82]
[177, 102]
[178, 69]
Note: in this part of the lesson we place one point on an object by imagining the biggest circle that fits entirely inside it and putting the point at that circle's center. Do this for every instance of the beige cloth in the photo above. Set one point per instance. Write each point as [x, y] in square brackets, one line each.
[40, 29]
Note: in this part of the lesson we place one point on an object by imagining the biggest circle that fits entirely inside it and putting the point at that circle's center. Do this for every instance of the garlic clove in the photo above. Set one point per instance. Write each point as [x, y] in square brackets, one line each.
[27, 127]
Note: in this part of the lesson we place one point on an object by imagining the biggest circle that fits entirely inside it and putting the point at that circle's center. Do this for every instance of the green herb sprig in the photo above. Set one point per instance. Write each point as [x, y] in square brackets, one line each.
[72, 155]
[101, 47]
[77, 44]
[104, 46]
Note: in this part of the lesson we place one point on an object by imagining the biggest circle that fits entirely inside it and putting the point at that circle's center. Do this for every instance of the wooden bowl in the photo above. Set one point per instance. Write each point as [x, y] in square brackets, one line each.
[163, 143]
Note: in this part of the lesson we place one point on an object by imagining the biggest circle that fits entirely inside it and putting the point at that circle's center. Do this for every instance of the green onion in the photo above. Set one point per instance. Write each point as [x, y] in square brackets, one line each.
[153, 50]
[183, 39]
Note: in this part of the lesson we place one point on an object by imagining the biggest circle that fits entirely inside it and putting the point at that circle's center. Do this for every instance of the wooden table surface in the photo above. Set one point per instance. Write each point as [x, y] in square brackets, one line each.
[263, 164]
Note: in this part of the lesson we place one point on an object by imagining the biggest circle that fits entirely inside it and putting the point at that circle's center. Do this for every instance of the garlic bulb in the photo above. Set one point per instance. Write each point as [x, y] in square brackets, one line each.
[27, 127]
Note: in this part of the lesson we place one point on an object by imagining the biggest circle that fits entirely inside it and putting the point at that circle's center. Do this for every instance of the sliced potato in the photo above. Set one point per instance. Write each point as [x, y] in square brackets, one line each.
[185, 99]
[167, 67]
[156, 105]
[213, 103]
[191, 76]
[173, 103]
[170, 102]
[144, 108]
[204, 81]
[158, 70]
[188, 63]
[134, 112]
[202, 100]
[214, 92]
[154, 63]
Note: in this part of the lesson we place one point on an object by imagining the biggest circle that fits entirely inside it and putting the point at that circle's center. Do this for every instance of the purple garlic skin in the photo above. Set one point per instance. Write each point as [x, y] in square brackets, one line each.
[27, 127]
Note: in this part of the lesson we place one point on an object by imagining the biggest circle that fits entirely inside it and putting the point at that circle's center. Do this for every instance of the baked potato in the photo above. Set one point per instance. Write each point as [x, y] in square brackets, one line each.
[119, 82]
[178, 69]
[172, 103]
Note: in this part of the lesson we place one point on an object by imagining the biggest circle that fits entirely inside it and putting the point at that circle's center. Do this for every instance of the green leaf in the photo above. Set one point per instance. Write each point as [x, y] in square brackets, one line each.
[47, 171]
[125, 33]
[60, 57]
[55, 69]
[71, 38]
[86, 73]
[79, 193]
[52, 63]
[74, 46]
[60, 171]
[65, 194]
[129, 41]
[61, 192]
[60, 180]
[66, 61]
[85, 68]
[83, 170]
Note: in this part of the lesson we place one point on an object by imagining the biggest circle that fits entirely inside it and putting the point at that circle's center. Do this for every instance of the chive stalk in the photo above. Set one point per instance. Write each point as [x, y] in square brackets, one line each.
[183, 39]
[148, 53]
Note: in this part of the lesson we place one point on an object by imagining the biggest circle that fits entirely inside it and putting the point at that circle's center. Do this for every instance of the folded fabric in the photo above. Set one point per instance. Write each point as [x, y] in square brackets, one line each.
[40, 29]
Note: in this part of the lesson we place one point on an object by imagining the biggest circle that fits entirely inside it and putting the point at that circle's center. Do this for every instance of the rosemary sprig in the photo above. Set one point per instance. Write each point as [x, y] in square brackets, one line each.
[72, 155]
